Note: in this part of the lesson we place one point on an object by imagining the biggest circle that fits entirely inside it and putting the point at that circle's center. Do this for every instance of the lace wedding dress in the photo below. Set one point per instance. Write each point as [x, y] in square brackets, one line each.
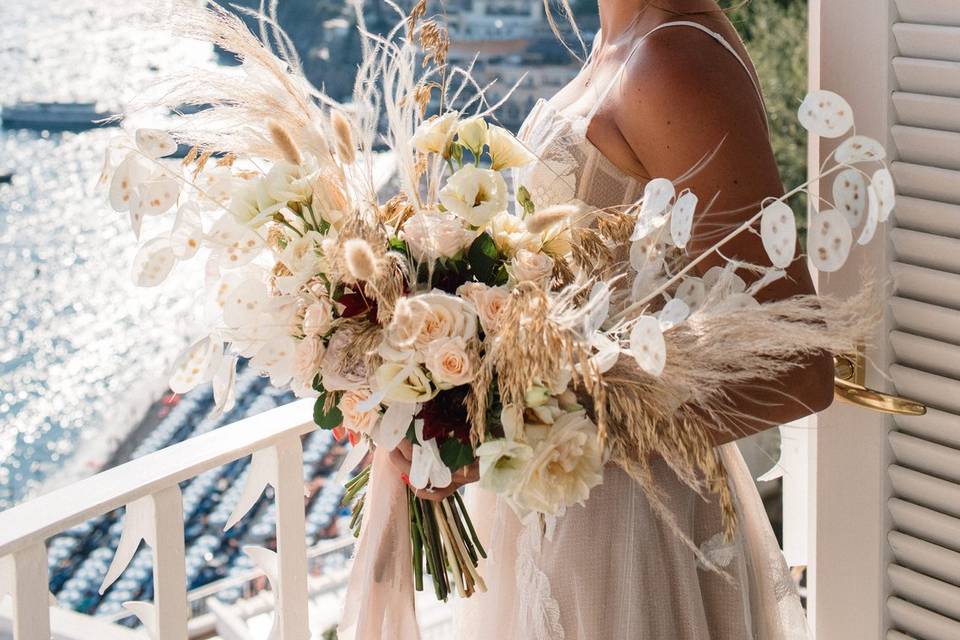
[611, 569]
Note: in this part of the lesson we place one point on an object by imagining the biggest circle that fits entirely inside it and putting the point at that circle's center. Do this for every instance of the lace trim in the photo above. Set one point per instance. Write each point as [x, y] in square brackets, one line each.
[538, 610]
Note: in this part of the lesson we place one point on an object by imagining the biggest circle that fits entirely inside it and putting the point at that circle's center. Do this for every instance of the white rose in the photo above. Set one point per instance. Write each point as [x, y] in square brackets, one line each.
[510, 234]
[502, 463]
[434, 135]
[567, 462]
[419, 320]
[506, 151]
[476, 195]
[531, 266]
[308, 355]
[488, 301]
[432, 235]
[449, 363]
[472, 133]
[354, 419]
[410, 388]
[317, 318]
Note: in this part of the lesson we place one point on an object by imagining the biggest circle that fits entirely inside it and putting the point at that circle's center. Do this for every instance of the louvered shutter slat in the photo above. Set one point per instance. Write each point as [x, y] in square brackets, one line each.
[922, 623]
[928, 216]
[896, 635]
[933, 390]
[925, 557]
[931, 183]
[930, 593]
[927, 250]
[927, 285]
[932, 112]
[937, 426]
[926, 490]
[934, 42]
[919, 145]
[930, 355]
[942, 12]
[936, 77]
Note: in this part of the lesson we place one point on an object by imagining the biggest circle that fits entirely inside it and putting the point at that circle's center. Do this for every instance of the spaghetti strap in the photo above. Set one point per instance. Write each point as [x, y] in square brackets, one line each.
[677, 23]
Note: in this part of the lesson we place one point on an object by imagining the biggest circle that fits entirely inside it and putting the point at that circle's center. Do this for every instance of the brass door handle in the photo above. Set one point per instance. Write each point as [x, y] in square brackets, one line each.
[847, 388]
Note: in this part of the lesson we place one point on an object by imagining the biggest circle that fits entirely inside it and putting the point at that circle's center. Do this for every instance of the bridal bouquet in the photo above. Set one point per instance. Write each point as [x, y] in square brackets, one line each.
[454, 311]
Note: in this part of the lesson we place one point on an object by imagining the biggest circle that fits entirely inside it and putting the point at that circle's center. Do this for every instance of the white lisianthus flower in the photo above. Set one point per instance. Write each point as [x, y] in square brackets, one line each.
[354, 419]
[303, 258]
[435, 134]
[506, 150]
[251, 204]
[317, 318]
[536, 396]
[403, 383]
[475, 195]
[449, 363]
[531, 266]
[432, 235]
[510, 234]
[308, 355]
[566, 464]
[488, 301]
[419, 320]
[502, 465]
[287, 182]
[472, 133]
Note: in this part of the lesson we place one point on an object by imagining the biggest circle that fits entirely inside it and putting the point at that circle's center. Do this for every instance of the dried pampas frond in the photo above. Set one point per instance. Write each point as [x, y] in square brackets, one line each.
[343, 134]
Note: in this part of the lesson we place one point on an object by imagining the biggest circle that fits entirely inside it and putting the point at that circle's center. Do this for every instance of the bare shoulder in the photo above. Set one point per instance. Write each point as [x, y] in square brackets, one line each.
[682, 94]
[687, 73]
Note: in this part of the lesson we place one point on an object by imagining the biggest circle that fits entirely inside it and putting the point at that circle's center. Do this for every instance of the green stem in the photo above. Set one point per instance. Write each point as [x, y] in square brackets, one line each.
[469, 522]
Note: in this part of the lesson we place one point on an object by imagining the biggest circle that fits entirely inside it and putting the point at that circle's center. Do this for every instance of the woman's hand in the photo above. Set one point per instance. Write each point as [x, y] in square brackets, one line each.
[401, 456]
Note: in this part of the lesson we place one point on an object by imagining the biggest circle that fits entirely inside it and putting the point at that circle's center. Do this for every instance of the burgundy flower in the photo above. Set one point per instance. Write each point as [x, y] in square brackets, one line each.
[446, 416]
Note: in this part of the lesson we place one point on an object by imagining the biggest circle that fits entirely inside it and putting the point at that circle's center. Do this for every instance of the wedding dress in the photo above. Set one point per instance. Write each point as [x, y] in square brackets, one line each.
[612, 569]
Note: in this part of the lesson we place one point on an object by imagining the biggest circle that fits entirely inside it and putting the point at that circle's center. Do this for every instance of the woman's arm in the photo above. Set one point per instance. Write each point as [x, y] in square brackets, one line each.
[684, 96]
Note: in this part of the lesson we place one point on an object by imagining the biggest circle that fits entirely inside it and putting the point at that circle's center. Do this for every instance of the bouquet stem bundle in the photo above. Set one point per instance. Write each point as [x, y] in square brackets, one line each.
[444, 541]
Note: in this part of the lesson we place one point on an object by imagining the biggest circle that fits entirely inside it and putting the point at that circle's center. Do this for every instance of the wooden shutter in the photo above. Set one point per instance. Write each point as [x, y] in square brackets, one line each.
[924, 573]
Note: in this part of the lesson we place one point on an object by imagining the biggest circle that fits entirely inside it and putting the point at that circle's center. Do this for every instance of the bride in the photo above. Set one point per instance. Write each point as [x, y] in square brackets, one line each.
[668, 87]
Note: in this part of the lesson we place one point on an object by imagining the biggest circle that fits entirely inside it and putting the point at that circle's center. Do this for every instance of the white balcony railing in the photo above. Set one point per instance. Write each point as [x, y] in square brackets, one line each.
[149, 490]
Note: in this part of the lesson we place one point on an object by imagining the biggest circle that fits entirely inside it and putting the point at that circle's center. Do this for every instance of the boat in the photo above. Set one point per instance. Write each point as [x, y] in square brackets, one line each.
[6, 177]
[54, 116]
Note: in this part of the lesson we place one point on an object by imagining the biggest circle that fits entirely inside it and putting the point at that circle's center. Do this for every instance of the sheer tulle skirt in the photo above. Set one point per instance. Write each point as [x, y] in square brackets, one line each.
[612, 569]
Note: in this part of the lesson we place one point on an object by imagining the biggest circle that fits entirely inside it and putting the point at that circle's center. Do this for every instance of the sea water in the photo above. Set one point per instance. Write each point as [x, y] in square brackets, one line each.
[83, 352]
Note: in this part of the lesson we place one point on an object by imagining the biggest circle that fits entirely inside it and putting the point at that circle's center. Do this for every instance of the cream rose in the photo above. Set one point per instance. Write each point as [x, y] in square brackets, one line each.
[475, 195]
[488, 301]
[419, 320]
[472, 133]
[531, 266]
[354, 419]
[432, 235]
[308, 355]
[403, 383]
[317, 318]
[449, 363]
[566, 464]
[506, 150]
[435, 134]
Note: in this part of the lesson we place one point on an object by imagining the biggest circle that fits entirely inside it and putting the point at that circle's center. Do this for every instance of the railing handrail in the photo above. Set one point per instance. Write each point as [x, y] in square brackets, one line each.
[38, 519]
